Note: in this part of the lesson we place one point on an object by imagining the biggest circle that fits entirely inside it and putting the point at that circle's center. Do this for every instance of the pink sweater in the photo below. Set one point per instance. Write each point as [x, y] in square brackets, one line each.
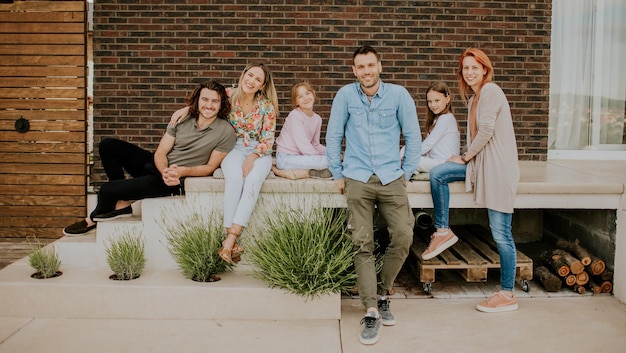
[300, 135]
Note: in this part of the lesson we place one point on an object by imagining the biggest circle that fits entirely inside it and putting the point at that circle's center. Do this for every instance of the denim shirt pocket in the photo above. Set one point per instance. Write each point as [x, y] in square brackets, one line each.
[386, 118]
[357, 116]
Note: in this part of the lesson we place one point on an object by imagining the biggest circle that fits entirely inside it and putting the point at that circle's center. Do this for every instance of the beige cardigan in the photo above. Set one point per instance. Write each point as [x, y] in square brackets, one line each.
[494, 172]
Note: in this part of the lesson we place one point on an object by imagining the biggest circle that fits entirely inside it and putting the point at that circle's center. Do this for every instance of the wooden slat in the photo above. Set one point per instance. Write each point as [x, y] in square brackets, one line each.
[38, 93]
[467, 253]
[34, 158]
[46, 222]
[33, 114]
[483, 248]
[42, 136]
[7, 28]
[17, 179]
[24, 211]
[43, 49]
[36, 71]
[485, 235]
[47, 6]
[41, 60]
[69, 190]
[15, 168]
[43, 147]
[39, 200]
[39, 232]
[48, 17]
[45, 125]
[17, 39]
[65, 104]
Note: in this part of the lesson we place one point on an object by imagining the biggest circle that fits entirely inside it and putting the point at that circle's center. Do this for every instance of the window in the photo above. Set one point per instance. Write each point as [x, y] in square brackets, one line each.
[587, 80]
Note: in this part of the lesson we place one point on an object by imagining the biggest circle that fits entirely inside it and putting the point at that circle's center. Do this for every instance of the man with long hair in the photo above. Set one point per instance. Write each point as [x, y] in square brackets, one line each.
[194, 147]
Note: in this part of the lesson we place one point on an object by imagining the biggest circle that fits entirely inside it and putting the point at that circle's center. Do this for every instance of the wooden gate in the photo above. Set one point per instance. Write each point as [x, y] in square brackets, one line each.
[43, 117]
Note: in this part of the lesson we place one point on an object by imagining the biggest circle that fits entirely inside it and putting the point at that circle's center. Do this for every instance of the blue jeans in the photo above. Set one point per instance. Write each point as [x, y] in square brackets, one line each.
[440, 176]
[499, 223]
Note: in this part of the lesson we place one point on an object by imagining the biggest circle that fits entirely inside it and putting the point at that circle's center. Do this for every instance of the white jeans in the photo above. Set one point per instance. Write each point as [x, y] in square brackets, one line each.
[291, 161]
[241, 194]
[426, 164]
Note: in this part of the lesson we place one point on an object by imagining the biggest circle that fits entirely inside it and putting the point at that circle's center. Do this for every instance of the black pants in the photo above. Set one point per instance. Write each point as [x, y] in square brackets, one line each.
[118, 156]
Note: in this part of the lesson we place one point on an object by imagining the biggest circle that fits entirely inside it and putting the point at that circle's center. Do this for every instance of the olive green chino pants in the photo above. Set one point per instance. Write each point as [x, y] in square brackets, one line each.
[393, 204]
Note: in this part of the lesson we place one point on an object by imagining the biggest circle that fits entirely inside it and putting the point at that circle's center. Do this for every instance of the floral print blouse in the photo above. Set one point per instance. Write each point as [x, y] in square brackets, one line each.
[259, 124]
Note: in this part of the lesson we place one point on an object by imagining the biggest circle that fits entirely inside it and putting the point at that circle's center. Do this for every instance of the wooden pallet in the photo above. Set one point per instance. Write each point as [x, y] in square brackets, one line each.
[473, 255]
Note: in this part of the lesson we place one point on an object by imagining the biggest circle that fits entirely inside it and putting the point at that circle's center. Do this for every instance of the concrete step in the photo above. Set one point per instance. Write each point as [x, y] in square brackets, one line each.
[87, 292]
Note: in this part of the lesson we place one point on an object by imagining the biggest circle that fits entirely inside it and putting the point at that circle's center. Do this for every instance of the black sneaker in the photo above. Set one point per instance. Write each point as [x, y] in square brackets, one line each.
[123, 212]
[78, 228]
[385, 313]
[371, 329]
[320, 174]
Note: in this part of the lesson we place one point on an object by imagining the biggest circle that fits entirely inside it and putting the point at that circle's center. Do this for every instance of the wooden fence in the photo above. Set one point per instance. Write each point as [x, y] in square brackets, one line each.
[43, 117]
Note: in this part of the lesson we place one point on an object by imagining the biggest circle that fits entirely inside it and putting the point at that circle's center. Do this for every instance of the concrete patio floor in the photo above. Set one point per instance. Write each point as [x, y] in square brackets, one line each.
[549, 324]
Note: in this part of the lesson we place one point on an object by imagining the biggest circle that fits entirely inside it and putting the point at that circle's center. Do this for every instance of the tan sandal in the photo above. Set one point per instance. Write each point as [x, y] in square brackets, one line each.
[232, 255]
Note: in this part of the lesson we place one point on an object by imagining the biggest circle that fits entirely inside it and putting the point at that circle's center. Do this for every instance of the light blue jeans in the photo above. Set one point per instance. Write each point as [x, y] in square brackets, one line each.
[500, 223]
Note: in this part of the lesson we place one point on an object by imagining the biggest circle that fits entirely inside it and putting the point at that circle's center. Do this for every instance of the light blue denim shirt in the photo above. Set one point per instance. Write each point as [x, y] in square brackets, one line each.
[372, 132]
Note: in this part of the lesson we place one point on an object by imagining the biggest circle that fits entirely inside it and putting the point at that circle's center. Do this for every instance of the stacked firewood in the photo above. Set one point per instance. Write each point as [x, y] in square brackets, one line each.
[572, 265]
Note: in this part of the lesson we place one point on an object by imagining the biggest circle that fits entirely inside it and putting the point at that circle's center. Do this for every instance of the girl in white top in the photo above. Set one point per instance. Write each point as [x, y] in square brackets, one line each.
[299, 153]
[442, 133]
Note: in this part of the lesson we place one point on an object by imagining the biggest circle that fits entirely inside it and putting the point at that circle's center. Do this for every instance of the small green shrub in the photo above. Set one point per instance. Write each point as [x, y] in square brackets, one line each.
[126, 257]
[44, 260]
[307, 254]
[193, 243]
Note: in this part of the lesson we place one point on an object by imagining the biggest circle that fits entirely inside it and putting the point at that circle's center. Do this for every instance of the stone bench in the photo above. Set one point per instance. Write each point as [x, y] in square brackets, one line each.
[542, 185]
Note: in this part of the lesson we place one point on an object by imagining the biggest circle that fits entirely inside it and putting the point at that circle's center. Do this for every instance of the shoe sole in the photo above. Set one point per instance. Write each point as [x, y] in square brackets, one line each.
[388, 322]
[443, 247]
[500, 309]
[79, 234]
[369, 341]
[125, 215]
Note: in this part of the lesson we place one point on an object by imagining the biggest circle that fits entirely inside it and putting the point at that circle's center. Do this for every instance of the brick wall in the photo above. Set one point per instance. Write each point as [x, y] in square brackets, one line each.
[149, 54]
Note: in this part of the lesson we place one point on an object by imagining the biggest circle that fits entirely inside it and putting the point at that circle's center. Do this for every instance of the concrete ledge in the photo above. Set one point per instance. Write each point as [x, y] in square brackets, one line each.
[542, 185]
[87, 292]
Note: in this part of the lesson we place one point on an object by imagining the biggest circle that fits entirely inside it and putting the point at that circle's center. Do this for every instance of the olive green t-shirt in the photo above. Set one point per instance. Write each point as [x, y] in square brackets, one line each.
[193, 147]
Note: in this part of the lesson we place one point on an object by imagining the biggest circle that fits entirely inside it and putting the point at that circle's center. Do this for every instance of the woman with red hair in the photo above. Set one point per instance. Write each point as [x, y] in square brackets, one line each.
[489, 166]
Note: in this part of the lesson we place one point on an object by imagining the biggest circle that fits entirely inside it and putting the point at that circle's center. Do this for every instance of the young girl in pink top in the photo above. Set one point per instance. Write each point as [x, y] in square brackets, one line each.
[299, 153]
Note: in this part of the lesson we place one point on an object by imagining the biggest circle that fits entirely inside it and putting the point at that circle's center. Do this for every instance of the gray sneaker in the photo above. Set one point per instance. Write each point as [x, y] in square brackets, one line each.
[371, 329]
[385, 313]
[320, 174]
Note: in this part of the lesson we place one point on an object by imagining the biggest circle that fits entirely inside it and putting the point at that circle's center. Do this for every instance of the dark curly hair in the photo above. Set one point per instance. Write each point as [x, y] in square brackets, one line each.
[192, 99]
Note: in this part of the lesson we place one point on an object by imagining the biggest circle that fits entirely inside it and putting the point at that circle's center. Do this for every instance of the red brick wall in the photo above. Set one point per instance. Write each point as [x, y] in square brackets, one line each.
[149, 54]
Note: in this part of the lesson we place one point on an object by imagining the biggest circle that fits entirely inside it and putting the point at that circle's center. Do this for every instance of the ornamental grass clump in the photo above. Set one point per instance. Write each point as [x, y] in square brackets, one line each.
[126, 257]
[306, 253]
[44, 260]
[193, 243]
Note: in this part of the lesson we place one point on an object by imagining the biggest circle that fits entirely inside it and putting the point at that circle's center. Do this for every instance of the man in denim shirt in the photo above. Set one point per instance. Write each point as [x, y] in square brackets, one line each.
[371, 115]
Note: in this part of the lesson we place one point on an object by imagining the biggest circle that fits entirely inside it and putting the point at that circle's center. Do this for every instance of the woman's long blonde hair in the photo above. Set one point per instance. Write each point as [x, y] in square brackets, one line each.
[268, 90]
